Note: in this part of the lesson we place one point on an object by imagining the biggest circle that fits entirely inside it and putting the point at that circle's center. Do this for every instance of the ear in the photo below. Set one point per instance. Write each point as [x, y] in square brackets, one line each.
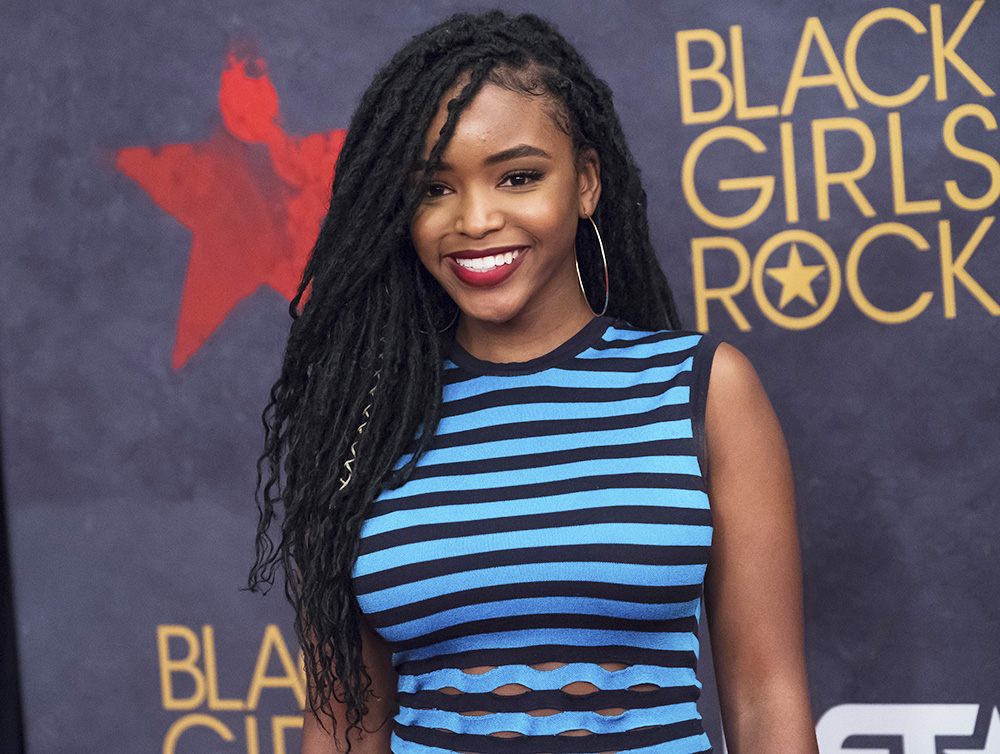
[588, 172]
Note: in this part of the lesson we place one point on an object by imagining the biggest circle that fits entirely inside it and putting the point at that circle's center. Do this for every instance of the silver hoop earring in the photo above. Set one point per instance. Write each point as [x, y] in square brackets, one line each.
[451, 324]
[607, 279]
[447, 327]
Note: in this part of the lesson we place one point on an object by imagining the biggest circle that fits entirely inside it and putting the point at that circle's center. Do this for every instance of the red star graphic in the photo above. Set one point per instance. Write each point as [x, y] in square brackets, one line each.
[253, 211]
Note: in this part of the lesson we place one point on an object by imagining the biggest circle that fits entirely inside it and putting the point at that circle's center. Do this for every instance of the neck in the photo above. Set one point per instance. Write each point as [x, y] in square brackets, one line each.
[529, 335]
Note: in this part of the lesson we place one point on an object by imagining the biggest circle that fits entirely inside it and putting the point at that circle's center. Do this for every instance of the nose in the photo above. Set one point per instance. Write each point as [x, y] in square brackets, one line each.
[478, 214]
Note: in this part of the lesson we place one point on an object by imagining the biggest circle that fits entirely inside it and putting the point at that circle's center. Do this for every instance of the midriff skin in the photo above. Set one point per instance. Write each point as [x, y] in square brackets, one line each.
[578, 688]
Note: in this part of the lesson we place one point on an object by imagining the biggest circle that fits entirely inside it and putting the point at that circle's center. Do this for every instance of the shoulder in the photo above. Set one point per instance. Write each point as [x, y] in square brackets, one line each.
[740, 424]
[733, 377]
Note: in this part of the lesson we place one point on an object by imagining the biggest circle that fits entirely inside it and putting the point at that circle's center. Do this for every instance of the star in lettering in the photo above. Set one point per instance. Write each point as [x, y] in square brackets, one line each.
[252, 196]
[796, 279]
[992, 744]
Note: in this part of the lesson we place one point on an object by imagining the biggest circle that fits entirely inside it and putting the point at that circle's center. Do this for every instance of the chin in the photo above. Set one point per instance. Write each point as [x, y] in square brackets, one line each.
[497, 314]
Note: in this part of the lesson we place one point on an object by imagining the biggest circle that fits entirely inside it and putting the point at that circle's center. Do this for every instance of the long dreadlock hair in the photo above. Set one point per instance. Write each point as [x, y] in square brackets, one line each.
[360, 385]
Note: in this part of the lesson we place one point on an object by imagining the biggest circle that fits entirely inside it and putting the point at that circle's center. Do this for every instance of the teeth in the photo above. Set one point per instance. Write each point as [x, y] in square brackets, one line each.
[485, 264]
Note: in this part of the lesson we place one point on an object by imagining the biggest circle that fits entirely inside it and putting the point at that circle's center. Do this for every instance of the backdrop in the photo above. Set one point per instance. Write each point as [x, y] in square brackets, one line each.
[823, 181]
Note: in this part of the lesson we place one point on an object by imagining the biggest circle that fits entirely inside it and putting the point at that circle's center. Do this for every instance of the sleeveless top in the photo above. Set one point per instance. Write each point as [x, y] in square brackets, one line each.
[557, 531]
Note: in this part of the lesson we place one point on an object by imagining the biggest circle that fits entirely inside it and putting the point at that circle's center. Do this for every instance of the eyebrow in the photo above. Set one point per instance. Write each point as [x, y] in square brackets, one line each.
[521, 150]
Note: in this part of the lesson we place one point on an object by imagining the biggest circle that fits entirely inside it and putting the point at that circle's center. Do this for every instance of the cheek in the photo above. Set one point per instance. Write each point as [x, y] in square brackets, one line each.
[555, 217]
[422, 235]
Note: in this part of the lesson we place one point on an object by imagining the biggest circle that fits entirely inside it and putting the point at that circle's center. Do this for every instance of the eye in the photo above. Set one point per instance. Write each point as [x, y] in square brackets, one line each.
[435, 190]
[520, 178]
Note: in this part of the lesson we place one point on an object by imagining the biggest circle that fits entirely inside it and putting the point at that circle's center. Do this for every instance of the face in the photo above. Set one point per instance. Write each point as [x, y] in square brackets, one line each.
[497, 225]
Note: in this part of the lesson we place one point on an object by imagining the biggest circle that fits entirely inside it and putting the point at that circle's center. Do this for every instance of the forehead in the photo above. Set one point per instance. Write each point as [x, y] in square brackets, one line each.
[498, 118]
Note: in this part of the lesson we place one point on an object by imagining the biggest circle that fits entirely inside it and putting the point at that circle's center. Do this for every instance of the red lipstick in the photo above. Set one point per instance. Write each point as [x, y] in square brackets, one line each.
[486, 267]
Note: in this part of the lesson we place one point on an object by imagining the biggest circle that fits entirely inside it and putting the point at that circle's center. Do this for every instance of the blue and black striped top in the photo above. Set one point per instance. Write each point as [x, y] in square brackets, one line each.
[538, 578]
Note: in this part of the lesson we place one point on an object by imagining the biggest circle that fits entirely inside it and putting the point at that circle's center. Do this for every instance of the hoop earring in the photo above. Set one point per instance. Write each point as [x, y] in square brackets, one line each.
[451, 324]
[607, 279]
[447, 327]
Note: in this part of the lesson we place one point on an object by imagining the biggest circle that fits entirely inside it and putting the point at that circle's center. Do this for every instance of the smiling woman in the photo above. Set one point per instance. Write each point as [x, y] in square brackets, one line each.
[501, 509]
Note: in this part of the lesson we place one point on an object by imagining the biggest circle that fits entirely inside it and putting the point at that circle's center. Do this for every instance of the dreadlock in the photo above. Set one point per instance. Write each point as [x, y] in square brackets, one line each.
[360, 385]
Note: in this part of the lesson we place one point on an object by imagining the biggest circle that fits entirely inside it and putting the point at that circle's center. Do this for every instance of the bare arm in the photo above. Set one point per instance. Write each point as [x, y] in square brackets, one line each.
[381, 708]
[753, 587]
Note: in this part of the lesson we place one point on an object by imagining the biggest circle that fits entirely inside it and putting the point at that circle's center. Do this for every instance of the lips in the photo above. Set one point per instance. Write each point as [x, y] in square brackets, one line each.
[486, 267]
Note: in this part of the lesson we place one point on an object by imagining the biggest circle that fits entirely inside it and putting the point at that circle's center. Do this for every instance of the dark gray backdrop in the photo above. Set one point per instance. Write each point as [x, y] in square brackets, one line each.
[129, 483]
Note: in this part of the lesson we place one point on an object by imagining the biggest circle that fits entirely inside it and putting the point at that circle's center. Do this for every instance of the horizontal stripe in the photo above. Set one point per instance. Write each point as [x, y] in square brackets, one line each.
[572, 624]
[523, 517]
[580, 637]
[546, 474]
[589, 534]
[655, 483]
[641, 347]
[555, 744]
[615, 343]
[548, 725]
[622, 364]
[560, 431]
[606, 608]
[651, 444]
[399, 518]
[553, 403]
[693, 744]
[620, 371]
[698, 744]
[400, 586]
[685, 660]
[545, 680]
[645, 595]
[549, 699]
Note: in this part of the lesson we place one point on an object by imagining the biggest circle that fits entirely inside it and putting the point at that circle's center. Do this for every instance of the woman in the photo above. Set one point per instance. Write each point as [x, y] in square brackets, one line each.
[499, 499]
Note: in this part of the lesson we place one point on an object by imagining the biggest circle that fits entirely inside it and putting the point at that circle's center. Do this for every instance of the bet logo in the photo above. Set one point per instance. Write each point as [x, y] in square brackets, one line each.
[909, 729]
